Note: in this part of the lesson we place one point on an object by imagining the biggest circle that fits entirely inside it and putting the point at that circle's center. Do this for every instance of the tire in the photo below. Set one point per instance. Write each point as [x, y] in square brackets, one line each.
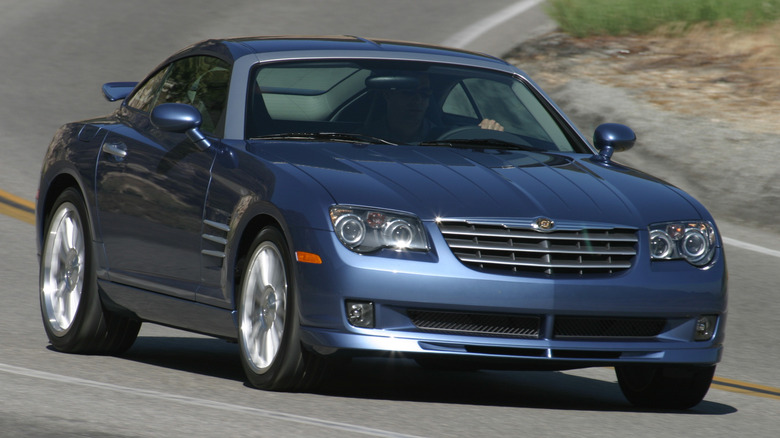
[73, 317]
[268, 324]
[665, 386]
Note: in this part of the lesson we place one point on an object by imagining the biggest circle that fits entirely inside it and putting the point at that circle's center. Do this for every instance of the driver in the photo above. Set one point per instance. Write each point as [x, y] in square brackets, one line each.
[405, 110]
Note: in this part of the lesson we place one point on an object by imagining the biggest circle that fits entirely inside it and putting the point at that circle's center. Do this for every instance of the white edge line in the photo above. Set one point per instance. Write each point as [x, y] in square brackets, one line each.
[274, 415]
[751, 247]
[469, 34]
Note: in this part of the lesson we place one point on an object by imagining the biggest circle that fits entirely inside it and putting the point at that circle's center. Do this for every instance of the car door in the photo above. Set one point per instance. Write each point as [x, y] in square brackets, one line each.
[152, 185]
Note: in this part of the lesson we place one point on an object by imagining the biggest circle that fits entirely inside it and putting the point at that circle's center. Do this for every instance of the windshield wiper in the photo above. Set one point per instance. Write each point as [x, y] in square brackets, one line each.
[326, 136]
[480, 143]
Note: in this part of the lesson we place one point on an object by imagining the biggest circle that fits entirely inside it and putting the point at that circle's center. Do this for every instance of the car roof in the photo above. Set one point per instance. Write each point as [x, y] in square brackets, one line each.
[269, 47]
[243, 53]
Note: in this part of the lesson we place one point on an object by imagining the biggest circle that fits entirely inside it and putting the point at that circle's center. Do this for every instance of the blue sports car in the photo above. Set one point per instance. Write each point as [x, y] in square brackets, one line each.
[320, 198]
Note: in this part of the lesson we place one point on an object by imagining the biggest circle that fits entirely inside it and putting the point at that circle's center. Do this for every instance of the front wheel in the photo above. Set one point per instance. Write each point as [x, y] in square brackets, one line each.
[269, 335]
[73, 316]
[665, 386]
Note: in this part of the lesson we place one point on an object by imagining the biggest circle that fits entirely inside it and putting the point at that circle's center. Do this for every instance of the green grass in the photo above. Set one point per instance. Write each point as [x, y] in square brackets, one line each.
[582, 18]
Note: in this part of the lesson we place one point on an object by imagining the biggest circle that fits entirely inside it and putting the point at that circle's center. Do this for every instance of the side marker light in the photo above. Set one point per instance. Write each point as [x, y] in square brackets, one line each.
[307, 257]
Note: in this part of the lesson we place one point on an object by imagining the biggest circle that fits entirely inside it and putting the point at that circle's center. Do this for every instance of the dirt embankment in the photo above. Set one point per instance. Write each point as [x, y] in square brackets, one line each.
[705, 107]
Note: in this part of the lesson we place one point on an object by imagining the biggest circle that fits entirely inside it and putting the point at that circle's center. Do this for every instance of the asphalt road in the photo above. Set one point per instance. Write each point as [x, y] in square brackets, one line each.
[53, 59]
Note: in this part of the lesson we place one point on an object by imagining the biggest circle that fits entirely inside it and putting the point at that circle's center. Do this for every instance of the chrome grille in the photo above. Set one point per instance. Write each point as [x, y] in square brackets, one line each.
[486, 246]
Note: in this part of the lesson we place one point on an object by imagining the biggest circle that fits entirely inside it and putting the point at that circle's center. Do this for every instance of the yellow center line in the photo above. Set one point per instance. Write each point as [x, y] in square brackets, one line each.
[17, 208]
[746, 388]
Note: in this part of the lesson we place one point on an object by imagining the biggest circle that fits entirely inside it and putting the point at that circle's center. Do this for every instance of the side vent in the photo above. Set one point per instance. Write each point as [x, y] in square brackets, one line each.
[214, 239]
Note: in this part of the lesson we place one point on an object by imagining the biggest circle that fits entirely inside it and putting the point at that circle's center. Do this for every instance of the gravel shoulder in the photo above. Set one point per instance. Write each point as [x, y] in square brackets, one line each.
[707, 124]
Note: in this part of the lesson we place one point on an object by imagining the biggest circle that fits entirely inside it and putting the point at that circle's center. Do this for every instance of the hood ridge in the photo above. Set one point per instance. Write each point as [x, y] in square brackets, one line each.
[442, 182]
[385, 158]
[611, 187]
[454, 170]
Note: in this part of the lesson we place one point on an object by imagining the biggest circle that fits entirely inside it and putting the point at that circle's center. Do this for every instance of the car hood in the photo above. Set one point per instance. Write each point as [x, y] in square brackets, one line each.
[447, 182]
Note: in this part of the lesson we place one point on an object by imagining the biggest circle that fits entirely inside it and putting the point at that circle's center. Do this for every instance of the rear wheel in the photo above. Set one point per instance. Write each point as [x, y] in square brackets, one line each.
[73, 316]
[665, 386]
[269, 335]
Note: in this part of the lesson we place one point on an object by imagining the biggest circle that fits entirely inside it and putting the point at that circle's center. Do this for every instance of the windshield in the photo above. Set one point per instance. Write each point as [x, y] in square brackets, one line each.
[400, 103]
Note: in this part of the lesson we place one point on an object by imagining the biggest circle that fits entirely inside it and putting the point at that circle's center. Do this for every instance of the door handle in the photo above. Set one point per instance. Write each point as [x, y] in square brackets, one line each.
[118, 150]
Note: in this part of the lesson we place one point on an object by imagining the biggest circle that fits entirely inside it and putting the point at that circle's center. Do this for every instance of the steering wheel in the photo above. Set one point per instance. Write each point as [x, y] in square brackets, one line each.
[462, 132]
[475, 132]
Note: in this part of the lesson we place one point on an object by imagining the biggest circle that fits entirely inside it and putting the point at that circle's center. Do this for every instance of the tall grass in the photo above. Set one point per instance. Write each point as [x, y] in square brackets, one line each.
[625, 17]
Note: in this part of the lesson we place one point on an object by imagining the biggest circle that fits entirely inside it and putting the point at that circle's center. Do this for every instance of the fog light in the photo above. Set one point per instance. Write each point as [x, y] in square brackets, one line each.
[360, 313]
[705, 327]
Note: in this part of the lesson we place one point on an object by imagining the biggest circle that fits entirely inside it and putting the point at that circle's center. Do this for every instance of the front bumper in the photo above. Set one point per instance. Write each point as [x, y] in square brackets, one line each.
[672, 295]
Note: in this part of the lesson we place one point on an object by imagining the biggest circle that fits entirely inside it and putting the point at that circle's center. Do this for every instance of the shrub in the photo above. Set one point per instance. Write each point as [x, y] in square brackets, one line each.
[624, 17]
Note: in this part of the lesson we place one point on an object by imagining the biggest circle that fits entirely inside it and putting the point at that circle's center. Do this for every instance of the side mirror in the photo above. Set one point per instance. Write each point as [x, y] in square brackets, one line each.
[612, 137]
[180, 118]
[114, 91]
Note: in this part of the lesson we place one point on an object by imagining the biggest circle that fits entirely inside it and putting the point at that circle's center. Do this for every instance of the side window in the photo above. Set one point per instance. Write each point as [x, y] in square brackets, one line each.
[458, 103]
[488, 99]
[143, 99]
[200, 81]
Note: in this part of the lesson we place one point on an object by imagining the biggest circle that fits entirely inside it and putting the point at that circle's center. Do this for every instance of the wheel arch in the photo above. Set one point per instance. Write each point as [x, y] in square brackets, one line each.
[47, 198]
[253, 227]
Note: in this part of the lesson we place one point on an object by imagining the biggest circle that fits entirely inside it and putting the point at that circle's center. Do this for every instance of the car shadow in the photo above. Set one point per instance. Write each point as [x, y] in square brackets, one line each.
[206, 356]
[403, 380]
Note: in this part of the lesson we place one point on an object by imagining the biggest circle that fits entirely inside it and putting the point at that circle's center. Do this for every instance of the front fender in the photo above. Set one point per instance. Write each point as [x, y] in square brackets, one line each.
[247, 193]
[70, 161]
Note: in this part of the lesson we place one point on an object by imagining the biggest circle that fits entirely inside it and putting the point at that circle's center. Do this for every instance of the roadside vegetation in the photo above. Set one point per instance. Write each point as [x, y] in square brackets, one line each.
[719, 59]
[712, 68]
[581, 18]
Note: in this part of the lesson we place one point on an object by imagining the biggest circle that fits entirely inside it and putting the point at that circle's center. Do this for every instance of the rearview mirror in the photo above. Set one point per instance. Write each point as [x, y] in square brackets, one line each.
[392, 82]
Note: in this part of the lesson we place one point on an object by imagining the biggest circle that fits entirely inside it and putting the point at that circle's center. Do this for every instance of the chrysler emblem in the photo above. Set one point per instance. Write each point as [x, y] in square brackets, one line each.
[543, 224]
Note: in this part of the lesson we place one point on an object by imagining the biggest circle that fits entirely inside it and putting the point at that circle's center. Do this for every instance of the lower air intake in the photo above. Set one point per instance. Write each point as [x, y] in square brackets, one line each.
[590, 327]
[476, 324]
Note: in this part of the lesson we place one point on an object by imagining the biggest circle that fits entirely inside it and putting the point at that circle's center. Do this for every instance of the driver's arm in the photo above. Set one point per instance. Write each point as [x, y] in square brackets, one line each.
[491, 124]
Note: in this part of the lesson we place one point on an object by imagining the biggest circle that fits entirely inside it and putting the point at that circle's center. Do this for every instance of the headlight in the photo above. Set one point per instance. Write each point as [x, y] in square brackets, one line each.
[366, 230]
[692, 241]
